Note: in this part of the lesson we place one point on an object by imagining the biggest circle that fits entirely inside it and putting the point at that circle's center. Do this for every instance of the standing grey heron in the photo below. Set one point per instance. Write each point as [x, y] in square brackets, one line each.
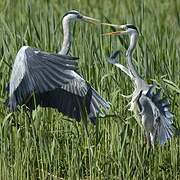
[151, 111]
[50, 80]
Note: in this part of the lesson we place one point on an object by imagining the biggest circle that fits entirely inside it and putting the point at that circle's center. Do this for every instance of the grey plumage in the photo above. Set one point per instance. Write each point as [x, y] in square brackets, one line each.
[151, 111]
[163, 118]
[36, 71]
[50, 80]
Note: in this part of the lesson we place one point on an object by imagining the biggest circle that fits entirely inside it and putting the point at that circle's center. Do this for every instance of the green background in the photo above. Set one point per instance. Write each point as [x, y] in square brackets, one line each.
[52, 146]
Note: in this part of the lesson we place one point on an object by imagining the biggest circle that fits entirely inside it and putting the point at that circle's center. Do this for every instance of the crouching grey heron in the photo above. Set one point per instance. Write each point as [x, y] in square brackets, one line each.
[51, 80]
[151, 111]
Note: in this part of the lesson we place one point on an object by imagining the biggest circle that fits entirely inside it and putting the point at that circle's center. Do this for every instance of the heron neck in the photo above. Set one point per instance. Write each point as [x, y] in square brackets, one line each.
[67, 37]
[129, 53]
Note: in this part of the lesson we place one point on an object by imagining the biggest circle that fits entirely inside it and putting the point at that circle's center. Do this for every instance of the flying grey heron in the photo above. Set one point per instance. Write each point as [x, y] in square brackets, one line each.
[151, 111]
[52, 81]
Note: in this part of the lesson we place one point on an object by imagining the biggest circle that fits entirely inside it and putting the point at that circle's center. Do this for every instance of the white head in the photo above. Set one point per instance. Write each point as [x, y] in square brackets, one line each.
[129, 29]
[122, 29]
[68, 17]
[74, 15]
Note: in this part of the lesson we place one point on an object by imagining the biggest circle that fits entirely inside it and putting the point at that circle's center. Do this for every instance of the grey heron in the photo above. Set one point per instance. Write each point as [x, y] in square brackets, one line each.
[151, 110]
[51, 79]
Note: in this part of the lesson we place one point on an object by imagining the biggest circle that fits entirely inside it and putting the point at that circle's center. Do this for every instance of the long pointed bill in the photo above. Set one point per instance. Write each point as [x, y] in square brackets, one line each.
[113, 33]
[90, 20]
[120, 27]
[112, 25]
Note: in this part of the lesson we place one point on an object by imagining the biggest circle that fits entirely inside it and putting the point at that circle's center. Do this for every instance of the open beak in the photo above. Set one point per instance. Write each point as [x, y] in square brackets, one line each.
[90, 20]
[121, 29]
[114, 33]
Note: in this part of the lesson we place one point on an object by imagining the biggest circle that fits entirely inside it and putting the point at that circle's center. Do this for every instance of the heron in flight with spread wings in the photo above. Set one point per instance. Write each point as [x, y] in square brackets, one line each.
[52, 81]
[151, 111]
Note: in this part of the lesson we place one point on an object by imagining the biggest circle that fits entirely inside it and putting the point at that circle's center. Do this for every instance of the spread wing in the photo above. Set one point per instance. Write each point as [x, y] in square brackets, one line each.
[36, 71]
[163, 118]
[53, 81]
[113, 60]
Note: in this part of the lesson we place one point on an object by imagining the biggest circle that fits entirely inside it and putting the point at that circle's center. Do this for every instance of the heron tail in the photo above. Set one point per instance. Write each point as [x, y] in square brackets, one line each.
[97, 104]
[11, 103]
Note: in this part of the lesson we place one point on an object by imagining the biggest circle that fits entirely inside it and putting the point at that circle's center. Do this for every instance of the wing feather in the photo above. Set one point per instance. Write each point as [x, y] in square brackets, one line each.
[54, 82]
[37, 71]
[163, 116]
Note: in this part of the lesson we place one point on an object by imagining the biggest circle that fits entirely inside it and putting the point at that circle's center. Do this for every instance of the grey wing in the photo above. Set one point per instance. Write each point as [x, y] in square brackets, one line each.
[113, 60]
[77, 85]
[50, 71]
[37, 71]
[163, 117]
[54, 82]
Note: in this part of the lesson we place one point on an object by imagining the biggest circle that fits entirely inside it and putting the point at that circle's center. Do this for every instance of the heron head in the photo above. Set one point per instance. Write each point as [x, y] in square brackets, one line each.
[74, 15]
[122, 29]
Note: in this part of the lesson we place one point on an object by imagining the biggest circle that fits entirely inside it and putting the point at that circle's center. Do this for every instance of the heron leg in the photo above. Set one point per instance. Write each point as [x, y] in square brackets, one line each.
[127, 96]
[152, 139]
[28, 114]
[148, 140]
[14, 122]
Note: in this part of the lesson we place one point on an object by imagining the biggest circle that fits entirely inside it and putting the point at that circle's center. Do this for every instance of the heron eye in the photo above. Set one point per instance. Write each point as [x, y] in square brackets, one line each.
[79, 16]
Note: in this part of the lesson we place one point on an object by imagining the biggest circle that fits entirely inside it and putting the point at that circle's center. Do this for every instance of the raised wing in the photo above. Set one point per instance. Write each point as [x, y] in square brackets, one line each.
[36, 71]
[113, 60]
[54, 83]
[70, 104]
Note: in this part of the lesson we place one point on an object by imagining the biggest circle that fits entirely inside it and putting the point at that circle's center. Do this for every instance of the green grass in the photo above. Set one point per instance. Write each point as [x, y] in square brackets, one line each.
[51, 146]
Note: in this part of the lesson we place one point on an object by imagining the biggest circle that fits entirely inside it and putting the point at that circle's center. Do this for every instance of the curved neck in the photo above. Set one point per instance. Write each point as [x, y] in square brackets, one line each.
[129, 53]
[67, 37]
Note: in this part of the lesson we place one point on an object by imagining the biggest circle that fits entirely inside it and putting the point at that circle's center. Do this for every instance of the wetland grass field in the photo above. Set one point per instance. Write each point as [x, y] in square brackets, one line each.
[52, 146]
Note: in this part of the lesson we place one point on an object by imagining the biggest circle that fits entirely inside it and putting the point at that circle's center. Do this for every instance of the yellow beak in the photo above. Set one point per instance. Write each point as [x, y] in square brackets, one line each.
[120, 27]
[112, 25]
[90, 20]
[114, 33]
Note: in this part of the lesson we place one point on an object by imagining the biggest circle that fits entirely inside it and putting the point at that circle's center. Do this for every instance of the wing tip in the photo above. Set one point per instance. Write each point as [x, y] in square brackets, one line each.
[166, 133]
